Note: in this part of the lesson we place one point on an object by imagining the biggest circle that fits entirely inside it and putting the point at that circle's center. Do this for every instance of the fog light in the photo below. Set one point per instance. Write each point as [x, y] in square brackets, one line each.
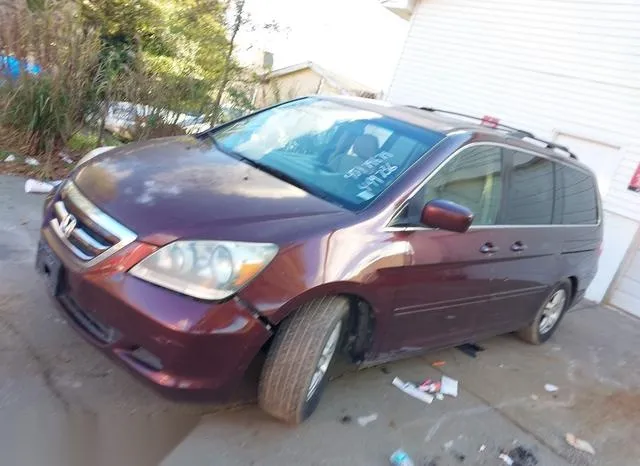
[147, 358]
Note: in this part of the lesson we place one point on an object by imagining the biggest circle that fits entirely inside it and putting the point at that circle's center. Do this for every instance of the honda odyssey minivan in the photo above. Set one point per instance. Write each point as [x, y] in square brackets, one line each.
[317, 227]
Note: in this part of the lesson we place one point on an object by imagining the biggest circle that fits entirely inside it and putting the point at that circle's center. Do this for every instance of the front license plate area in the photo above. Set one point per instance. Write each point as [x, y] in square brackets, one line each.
[48, 264]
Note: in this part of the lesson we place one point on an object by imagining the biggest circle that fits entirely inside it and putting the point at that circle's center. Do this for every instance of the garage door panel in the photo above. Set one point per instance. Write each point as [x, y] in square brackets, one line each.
[627, 302]
[633, 271]
[629, 286]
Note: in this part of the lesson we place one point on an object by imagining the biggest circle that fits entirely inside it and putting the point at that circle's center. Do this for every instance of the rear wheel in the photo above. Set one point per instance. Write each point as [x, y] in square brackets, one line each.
[548, 317]
[295, 371]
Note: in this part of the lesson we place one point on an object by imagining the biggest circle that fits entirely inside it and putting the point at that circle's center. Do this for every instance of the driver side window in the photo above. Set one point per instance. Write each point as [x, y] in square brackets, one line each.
[473, 179]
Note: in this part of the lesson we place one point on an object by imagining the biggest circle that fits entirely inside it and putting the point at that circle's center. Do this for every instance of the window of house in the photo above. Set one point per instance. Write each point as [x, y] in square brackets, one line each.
[530, 194]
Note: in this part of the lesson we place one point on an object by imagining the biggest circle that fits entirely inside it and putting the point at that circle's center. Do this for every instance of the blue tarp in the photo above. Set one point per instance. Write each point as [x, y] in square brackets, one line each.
[11, 67]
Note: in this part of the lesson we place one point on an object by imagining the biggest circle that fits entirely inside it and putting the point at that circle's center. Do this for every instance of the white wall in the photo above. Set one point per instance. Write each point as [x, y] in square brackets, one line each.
[618, 236]
[565, 69]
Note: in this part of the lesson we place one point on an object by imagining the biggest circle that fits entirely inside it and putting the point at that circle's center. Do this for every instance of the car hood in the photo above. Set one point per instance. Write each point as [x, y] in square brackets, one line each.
[184, 187]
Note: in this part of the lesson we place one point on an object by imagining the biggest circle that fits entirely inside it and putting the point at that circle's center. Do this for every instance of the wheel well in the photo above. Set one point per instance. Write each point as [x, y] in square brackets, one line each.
[361, 325]
[574, 287]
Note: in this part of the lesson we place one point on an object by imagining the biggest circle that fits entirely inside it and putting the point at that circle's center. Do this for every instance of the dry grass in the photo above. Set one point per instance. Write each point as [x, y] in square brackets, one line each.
[41, 112]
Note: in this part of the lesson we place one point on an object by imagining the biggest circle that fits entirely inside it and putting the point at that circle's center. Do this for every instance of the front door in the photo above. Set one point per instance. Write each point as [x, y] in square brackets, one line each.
[447, 285]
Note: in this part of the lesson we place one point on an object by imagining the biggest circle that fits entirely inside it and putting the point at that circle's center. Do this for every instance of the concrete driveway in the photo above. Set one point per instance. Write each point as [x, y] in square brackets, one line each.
[503, 404]
[63, 403]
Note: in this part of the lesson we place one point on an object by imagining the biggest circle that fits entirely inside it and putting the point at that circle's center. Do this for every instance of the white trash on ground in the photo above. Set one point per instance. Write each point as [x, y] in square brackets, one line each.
[40, 187]
[506, 458]
[551, 388]
[10, 158]
[580, 444]
[449, 386]
[411, 390]
[364, 420]
[31, 161]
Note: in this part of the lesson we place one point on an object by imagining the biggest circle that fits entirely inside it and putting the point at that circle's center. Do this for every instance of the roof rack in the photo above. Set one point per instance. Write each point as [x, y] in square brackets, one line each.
[517, 132]
[554, 146]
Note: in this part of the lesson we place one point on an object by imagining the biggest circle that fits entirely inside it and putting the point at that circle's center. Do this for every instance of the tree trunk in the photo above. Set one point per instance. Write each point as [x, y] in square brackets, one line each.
[105, 115]
[239, 5]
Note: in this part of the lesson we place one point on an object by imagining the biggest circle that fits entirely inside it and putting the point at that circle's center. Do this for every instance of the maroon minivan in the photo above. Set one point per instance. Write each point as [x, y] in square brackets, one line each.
[317, 226]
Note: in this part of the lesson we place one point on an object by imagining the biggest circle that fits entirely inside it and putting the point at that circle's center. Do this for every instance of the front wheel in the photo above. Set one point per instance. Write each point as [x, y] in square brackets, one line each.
[548, 317]
[295, 371]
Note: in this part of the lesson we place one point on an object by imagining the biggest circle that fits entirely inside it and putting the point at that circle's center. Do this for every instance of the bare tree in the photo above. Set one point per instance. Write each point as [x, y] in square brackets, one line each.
[238, 20]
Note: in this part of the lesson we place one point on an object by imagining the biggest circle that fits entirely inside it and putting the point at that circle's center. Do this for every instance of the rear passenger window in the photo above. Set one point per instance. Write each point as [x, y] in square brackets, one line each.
[576, 202]
[531, 190]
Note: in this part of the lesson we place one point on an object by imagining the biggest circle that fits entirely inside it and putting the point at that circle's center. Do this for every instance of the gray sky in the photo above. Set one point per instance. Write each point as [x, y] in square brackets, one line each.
[357, 38]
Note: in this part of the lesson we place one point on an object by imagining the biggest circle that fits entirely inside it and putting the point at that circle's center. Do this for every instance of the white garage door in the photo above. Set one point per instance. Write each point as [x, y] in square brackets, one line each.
[626, 290]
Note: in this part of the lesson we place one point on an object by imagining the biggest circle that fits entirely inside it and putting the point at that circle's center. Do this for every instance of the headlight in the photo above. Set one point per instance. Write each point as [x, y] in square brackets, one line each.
[205, 269]
[94, 153]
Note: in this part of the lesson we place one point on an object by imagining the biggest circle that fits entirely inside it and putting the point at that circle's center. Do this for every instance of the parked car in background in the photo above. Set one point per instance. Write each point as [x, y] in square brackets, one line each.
[317, 227]
[123, 117]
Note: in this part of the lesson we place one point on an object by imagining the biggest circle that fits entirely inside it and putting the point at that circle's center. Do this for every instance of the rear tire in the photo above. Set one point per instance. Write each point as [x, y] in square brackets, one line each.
[548, 316]
[292, 379]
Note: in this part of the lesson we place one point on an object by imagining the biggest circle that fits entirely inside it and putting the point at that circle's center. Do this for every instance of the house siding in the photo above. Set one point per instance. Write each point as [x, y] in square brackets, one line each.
[562, 69]
[293, 85]
[549, 66]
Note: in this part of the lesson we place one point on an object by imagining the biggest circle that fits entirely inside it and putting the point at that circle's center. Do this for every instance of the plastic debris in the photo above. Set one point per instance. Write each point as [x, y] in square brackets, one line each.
[449, 386]
[439, 396]
[429, 386]
[364, 420]
[35, 186]
[482, 448]
[31, 161]
[522, 457]
[448, 445]
[506, 458]
[401, 458]
[551, 388]
[10, 158]
[580, 444]
[411, 390]
[438, 364]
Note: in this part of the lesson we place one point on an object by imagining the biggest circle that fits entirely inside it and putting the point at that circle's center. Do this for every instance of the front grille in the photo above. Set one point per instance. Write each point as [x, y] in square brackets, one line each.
[88, 232]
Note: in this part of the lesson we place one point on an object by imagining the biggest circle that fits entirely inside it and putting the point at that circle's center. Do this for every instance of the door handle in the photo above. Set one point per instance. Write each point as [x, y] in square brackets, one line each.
[489, 248]
[518, 246]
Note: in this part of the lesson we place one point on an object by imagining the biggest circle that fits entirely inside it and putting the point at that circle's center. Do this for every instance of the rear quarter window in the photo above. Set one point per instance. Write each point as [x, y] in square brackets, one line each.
[576, 197]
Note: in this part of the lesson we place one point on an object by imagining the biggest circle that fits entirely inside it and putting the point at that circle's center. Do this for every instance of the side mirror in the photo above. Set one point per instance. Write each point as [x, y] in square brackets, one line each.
[446, 215]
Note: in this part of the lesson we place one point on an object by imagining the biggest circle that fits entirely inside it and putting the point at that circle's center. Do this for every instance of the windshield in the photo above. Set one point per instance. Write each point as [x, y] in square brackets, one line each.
[340, 153]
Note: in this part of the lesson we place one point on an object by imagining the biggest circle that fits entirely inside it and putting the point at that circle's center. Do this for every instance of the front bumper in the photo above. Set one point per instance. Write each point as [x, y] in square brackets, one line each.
[186, 348]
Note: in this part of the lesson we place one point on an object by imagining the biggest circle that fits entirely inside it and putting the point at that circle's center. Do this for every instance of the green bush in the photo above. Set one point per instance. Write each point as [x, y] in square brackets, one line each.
[82, 142]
